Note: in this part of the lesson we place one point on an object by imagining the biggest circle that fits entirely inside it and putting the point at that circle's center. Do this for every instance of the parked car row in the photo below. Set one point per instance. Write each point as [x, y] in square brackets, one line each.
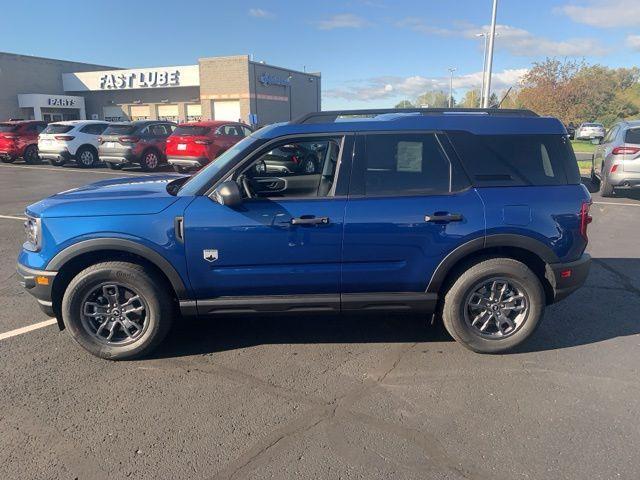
[148, 143]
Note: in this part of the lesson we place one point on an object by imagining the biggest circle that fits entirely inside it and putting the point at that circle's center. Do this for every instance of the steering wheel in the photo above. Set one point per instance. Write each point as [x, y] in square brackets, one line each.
[245, 185]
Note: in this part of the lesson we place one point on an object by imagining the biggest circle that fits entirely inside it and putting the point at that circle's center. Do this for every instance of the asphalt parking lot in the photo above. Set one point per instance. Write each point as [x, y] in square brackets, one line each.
[326, 397]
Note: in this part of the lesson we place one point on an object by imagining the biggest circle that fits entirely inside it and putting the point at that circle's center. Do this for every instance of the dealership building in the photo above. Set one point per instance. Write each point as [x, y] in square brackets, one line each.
[217, 88]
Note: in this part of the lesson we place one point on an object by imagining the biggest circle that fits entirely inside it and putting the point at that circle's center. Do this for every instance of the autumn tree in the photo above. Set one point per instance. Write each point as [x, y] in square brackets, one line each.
[471, 99]
[404, 104]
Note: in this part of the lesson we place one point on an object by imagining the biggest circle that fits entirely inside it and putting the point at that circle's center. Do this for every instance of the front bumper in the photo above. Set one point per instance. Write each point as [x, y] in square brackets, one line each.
[9, 154]
[188, 162]
[38, 283]
[568, 277]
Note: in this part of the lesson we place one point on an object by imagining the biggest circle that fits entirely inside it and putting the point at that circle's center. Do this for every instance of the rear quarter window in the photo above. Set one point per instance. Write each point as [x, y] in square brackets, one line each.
[512, 160]
[632, 136]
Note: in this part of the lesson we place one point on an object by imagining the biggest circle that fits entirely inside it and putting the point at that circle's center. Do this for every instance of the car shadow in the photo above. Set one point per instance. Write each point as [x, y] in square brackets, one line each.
[583, 318]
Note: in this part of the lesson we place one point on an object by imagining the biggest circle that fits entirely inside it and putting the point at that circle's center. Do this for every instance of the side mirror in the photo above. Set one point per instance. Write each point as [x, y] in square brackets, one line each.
[596, 141]
[227, 194]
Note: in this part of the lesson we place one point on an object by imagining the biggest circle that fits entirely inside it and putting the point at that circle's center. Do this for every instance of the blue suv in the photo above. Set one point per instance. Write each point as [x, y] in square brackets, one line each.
[474, 217]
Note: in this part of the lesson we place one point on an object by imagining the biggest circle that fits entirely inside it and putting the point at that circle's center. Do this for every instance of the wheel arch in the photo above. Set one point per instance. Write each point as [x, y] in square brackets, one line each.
[79, 256]
[533, 253]
[87, 146]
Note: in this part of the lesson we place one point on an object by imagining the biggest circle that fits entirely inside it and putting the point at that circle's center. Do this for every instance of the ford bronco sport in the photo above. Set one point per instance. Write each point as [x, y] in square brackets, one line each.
[475, 217]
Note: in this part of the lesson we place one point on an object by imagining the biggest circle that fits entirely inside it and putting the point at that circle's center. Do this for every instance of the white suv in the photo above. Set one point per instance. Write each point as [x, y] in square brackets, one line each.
[77, 140]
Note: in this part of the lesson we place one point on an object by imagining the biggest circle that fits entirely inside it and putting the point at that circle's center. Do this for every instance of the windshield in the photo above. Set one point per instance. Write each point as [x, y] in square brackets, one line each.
[57, 128]
[119, 130]
[191, 130]
[211, 173]
[7, 127]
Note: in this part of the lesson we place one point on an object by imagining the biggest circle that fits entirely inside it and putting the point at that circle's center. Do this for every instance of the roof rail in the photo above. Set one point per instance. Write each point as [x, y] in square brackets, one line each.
[331, 116]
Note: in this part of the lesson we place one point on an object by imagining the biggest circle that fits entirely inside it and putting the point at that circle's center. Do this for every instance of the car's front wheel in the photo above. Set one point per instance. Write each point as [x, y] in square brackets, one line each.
[117, 310]
[494, 305]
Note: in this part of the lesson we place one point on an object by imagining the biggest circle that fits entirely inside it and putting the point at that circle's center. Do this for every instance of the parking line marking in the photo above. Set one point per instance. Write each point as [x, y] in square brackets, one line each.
[618, 203]
[27, 329]
[79, 170]
[11, 217]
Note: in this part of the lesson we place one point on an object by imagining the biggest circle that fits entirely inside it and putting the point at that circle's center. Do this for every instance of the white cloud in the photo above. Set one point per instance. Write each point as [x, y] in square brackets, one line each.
[260, 13]
[517, 41]
[410, 87]
[604, 13]
[633, 42]
[343, 20]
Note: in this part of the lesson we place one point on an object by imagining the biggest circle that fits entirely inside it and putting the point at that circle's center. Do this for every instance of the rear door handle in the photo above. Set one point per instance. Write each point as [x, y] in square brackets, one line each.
[310, 220]
[444, 218]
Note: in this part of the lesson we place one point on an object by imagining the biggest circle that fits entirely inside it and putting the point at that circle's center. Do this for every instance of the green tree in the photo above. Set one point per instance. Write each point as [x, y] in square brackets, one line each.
[471, 99]
[433, 99]
[404, 104]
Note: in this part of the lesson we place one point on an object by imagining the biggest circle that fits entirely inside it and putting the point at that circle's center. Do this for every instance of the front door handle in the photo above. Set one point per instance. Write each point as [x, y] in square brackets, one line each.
[443, 217]
[310, 220]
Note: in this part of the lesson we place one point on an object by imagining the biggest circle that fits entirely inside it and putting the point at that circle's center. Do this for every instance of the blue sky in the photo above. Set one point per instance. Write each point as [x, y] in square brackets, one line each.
[372, 53]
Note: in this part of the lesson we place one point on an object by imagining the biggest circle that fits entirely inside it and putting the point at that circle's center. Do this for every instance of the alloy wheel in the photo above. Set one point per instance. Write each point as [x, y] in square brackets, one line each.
[496, 308]
[151, 160]
[86, 158]
[114, 314]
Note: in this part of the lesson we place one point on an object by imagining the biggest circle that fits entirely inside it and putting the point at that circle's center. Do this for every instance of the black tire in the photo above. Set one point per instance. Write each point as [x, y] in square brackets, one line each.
[8, 159]
[152, 291]
[114, 166]
[179, 169]
[150, 160]
[86, 157]
[30, 155]
[456, 317]
[57, 162]
[606, 189]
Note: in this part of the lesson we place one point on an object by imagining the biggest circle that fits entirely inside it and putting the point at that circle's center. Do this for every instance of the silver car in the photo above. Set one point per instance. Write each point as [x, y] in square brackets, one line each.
[587, 131]
[616, 160]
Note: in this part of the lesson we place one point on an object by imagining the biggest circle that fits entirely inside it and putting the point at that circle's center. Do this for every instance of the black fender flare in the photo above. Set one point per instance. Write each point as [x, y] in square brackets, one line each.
[491, 241]
[122, 245]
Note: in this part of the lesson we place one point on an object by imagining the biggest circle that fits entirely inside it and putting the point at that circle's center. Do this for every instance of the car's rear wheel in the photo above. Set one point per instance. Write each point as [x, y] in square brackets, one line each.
[57, 162]
[86, 157]
[7, 159]
[114, 166]
[31, 154]
[150, 161]
[494, 305]
[606, 189]
[117, 310]
[179, 169]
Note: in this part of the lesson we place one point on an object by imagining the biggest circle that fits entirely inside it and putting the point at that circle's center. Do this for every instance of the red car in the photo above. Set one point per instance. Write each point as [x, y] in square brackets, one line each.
[193, 145]
[19, 138]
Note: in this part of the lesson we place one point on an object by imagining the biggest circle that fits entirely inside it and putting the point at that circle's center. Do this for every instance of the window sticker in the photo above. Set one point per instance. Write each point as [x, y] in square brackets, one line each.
[409, 157]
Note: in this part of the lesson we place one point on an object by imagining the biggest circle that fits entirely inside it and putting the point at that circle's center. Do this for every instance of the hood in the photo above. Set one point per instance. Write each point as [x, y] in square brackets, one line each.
[122, 196]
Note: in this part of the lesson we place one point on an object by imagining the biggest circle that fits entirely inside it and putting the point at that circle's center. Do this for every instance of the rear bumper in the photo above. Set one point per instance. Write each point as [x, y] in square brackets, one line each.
[568, 277]
[122, 157]
[189, 162]
[39, 284]
[9, 153]
[56, 154]
[624, 179]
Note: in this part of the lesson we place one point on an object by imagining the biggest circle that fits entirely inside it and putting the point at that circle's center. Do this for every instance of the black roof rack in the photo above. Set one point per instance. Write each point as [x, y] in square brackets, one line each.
[331, 116]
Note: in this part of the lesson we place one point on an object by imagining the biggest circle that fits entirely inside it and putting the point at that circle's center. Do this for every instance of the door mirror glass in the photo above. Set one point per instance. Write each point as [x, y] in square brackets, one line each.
[227, 194]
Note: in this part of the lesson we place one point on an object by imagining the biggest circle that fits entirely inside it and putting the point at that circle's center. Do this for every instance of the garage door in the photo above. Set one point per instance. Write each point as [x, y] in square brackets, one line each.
[226, 110]
[114, 114]
[140, 112]
[168, 113]
[194, 112]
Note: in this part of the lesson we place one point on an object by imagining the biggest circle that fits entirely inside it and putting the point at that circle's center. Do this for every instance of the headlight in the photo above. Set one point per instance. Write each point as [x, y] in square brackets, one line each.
[33, 233]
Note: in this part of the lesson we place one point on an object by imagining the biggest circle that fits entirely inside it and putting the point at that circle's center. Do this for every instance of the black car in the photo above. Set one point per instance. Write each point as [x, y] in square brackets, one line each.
[293, 158]
[141, 142]
[571, 130]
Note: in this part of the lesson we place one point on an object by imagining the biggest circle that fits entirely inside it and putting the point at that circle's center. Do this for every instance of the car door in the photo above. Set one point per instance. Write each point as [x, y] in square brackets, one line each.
[409, 206]
[282, 244]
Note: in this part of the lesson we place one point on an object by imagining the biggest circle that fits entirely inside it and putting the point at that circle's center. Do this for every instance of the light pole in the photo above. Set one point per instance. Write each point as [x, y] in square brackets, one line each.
[484, 62]
[492, 38]
[451, 70]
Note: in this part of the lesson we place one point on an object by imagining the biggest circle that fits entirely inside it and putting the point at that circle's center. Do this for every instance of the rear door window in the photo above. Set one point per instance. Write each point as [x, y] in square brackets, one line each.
[402, 164]
[512, 160]
[53, 128]
[119, 130]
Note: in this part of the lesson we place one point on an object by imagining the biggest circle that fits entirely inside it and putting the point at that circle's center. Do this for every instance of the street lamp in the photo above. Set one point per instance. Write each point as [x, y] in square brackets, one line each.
[451, 70]
[492, 37]
[484, 61]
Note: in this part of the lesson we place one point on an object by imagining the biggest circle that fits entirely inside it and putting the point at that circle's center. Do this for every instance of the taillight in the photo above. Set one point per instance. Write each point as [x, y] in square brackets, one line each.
[64, 138]
[203, 142]
[585, 219]
[128, 139]
[625, 150]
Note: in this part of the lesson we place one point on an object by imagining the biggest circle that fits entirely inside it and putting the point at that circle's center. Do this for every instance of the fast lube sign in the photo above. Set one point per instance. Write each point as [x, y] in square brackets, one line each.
[142, 79]
[160, 77]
